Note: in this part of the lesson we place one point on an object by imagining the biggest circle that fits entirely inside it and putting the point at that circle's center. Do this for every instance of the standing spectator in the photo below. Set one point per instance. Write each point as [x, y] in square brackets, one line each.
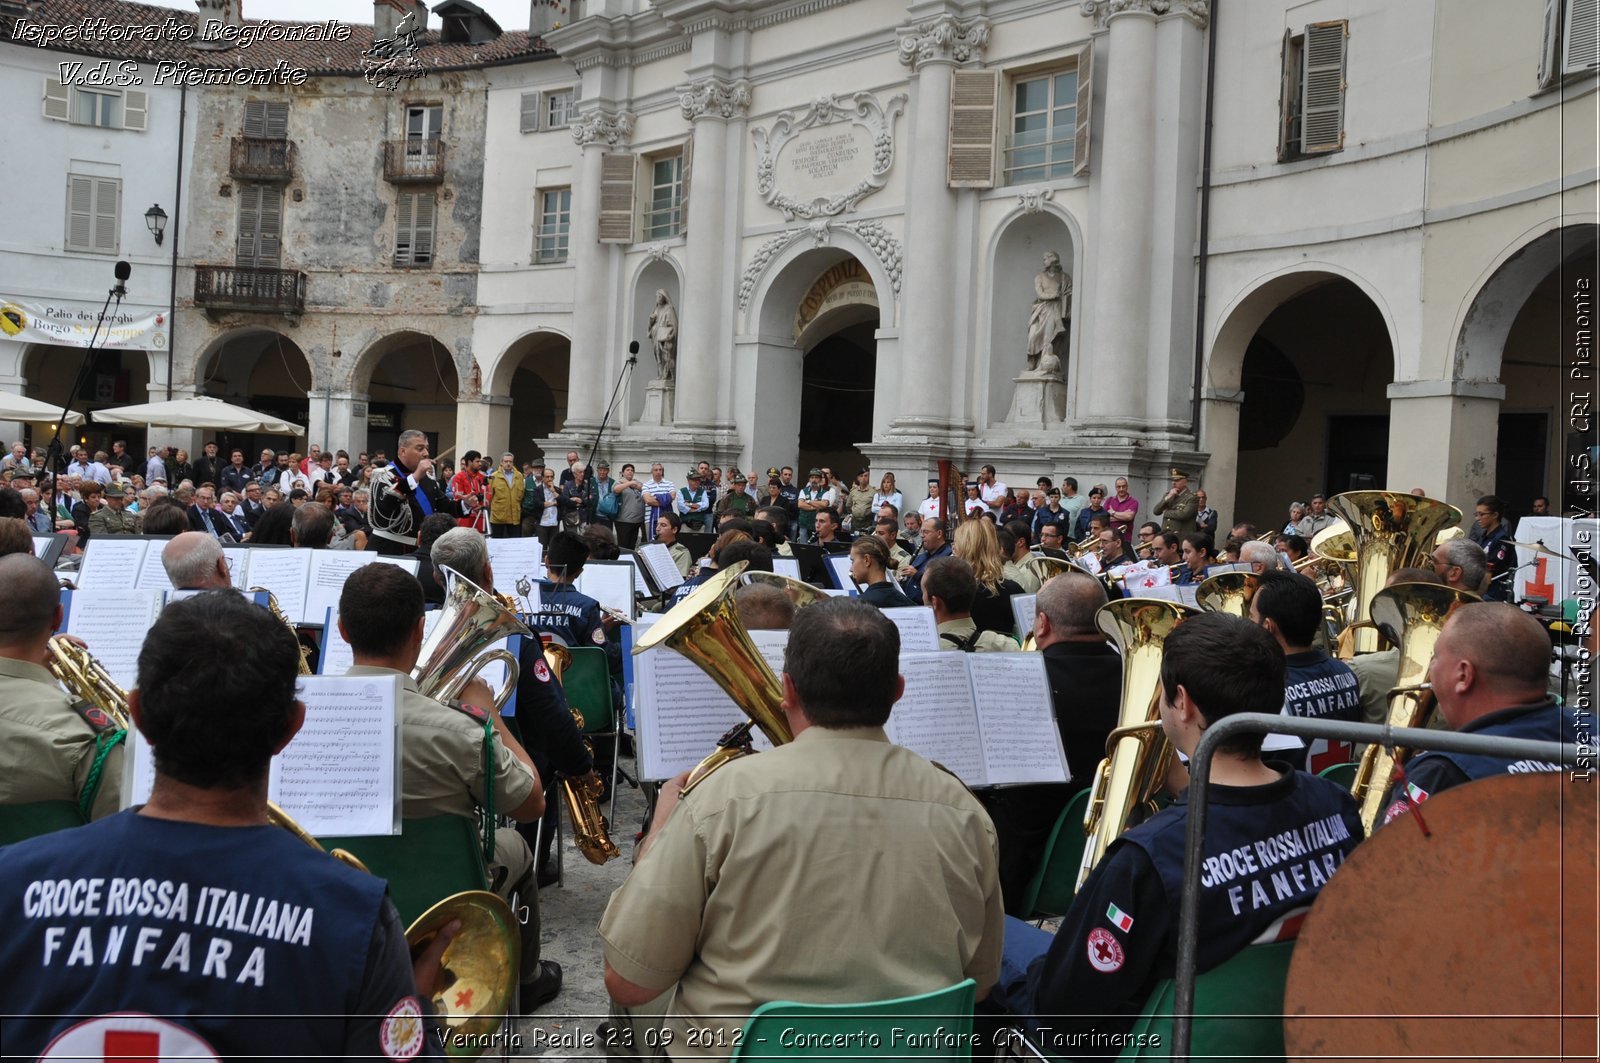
[233, 476]
[1318, 519]
[1297, 512]
[1205, 518]
[658, 495]
[577, 499]
[1071, 501]
[888, 492]
[928, 508]
[1179, 506]
[505, 499]
[694, 504]
[155, 466]
[791, 498]
[549, 509]
[467, 486]
[737, 501]
[179, 469]
[17, 459]
[1016, 508]
[1053, 513]
[570, 471]
[813, 497]
[1095, 508]
[630, 508]
[208, 466]
[342, 471]
[859, 502]
[1124, 509]
[991, 490]
[605, 499]
[532, 498]
[1540, 508]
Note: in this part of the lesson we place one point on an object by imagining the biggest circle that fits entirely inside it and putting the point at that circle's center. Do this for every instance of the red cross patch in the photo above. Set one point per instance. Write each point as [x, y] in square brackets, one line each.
[1105, 951]
[540, 672]
[125, 1037]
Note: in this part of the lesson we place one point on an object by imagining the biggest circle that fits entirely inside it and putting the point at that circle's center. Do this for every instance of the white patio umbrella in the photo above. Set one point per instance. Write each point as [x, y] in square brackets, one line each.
[14, 407]
[198, 411]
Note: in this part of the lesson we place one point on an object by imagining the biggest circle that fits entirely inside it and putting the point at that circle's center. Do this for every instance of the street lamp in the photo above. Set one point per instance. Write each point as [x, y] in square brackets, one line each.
[156, 220]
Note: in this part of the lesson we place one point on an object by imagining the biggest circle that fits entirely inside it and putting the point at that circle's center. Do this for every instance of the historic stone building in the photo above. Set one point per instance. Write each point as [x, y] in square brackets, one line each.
[1303, 246]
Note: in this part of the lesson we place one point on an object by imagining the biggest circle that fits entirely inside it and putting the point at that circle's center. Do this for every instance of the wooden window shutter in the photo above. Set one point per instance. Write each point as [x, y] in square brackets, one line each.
[616, 197]
[530, 112]
[683, 184]
[255, 118]
[57, 100]
[80, 213]
[1322, 95]
[245, 242]
[403, 228]
[277, 120]
[422, 223]
[1080, 137]
[1580, 38]
[974, 105]
[135, 110]
[1550, 35]
[106, 192]
[1288, 98]
[269, 239]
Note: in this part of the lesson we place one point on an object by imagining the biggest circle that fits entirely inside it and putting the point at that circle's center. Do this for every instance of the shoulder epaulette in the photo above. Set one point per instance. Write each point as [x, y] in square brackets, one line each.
[470, 711]
[99, 721]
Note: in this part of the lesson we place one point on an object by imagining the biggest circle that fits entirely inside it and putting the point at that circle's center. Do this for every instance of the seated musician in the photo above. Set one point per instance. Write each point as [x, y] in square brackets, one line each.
[750, 888]
[443, 770]
[1289, 606]
[189, 928]
[1197, 547]
[1120, 936]
[1113, 551]
[1050, 541]
[1490, 671]
[950, 588]
[869, 561]
[52, 747]
[194, 561]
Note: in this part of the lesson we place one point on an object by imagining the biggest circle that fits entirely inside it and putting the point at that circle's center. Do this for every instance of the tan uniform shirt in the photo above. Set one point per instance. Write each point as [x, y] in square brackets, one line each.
[108, 521]
[441, 768]
[46, 748]
[1022, 577]
[988, 641]
[836, 868]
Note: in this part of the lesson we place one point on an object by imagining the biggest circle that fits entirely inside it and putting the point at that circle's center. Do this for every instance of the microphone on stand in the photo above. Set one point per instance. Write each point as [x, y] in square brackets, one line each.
[633, 352]
[123, 272]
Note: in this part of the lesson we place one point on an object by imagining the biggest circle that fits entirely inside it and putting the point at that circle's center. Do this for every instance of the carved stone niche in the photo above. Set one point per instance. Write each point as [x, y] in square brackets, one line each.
[822, 161]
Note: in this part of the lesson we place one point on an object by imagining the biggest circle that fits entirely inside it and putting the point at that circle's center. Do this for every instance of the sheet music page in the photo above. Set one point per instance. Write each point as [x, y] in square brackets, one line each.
[41, 545]
[681, 712]
[113, 623]
[337, 657]
[1186, 594]
[339, 774]
[515, 561]
[937, 716]
[919, 632]
[663, 569]
[153, 574]
[238, 558]
[329, 570]
[839, 567]
[1023, 606]
[284, 573]
[609, 584]
[112, 562]
[410, 564]
[641, 588]
[1021, 742]
[786, 566]
[138, 770]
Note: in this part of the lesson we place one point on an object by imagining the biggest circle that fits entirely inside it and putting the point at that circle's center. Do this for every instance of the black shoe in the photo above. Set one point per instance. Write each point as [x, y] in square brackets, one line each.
[547, 876]
[543, 989]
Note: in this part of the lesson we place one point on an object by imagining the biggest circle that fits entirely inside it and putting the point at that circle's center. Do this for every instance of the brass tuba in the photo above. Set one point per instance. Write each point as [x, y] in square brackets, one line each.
[705, 627]
[582, 801]
[1137, 751]
[1410, 615]
[800, 592]
[1228, 592]
[1391, 531]
[472, 619]
[1046, 568]
[87, 679]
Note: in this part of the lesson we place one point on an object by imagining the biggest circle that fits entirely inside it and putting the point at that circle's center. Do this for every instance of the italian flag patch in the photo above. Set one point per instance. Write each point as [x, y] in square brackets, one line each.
[1416, 793]
[1119, 918]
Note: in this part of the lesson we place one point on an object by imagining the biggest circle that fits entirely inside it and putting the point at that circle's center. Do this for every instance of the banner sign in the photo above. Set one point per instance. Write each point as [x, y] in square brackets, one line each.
[72, 325]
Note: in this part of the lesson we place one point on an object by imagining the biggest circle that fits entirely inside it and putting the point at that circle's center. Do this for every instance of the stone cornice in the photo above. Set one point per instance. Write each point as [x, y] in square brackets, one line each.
[943, 39]
[614, 129]
[714, 98]
[1103, 11]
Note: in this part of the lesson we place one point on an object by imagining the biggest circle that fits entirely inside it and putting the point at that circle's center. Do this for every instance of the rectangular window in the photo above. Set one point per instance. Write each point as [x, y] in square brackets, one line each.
[413, 241]
[424, 122]
[93, 214]
[1044, 122]
[104, 108]
[664, 215]
[93, 107]
[558, 108]
[555, 217]
[1312, 90]
[260, 240]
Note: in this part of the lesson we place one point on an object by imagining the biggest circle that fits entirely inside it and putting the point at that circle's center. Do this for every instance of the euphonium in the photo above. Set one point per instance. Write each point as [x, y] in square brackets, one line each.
[800, 592]
[1227, 592]
[1391, 531]
[1137, 751]
[87, 679]
[582, 800]
[1410, 615]
[705, 627]
[479, 968]
[471, 619]
[1046, 568]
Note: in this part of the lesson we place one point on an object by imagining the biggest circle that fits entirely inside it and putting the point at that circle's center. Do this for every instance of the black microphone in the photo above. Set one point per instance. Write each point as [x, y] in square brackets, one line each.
[633, 351]
[123, 271]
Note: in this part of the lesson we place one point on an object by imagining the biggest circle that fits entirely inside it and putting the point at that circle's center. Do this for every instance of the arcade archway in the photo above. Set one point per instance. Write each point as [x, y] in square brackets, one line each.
[410, 381]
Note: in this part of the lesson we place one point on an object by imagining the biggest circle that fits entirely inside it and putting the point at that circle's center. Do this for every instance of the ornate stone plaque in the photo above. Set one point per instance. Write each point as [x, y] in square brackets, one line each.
[822, 161]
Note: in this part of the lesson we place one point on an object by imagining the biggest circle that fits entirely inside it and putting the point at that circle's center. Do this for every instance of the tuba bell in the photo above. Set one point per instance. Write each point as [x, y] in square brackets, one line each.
[1137, 751]
[582, 801]
[1227, 592]
[1411, 616]
[472, 618]
[800, 592]
[1046, 568]
[705, 627]
[1391, 531]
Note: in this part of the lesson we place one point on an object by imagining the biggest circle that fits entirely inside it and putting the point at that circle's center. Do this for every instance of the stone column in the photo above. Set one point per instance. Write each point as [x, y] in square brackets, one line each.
[1442, 437]
[1219, 437]
[12, 380]
[590, 364]
[1112, 391]
[710, 104]
[930, 348]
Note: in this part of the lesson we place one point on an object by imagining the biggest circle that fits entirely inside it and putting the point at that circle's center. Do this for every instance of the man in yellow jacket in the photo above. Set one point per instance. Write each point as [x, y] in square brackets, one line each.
[504, 488]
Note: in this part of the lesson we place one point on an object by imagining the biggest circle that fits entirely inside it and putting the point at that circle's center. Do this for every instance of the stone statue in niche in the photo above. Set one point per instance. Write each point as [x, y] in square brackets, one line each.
[1047, 324]
[664, 336]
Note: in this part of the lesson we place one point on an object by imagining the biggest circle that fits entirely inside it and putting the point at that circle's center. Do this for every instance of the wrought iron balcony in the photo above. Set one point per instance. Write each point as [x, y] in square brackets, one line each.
[250, 288]
[261, 159]
[414, 161]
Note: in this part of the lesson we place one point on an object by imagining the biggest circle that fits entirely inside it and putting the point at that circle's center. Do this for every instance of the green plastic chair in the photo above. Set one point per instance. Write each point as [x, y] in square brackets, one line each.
[884, 1025]
[1238, 1010]
[1343, 774]
[587, 683]
[1050, 893]
[21, 822]
[429, 860]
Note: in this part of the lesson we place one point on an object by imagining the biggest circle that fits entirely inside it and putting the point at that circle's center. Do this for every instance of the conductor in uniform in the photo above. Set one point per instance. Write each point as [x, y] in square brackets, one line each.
[443, 769]
[405, 494]
[1179, 506]
[189, 928]
[52, 748]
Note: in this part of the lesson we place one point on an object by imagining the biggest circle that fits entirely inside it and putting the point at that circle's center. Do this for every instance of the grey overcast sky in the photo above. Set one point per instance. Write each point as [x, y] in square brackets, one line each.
[511, 14]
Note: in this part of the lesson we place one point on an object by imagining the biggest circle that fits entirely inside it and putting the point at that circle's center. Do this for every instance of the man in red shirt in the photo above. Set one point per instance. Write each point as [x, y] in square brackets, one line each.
[467, 486]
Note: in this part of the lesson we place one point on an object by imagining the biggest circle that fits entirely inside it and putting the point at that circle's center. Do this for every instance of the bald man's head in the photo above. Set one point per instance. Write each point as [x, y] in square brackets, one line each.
[194, 562]
[1069, 602]
[32, 599]
[1489, 656]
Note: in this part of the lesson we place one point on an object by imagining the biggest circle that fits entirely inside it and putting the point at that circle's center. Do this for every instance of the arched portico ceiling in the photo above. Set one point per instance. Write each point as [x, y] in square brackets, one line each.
[361, 376]
[533, 345]
[1487, 316]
